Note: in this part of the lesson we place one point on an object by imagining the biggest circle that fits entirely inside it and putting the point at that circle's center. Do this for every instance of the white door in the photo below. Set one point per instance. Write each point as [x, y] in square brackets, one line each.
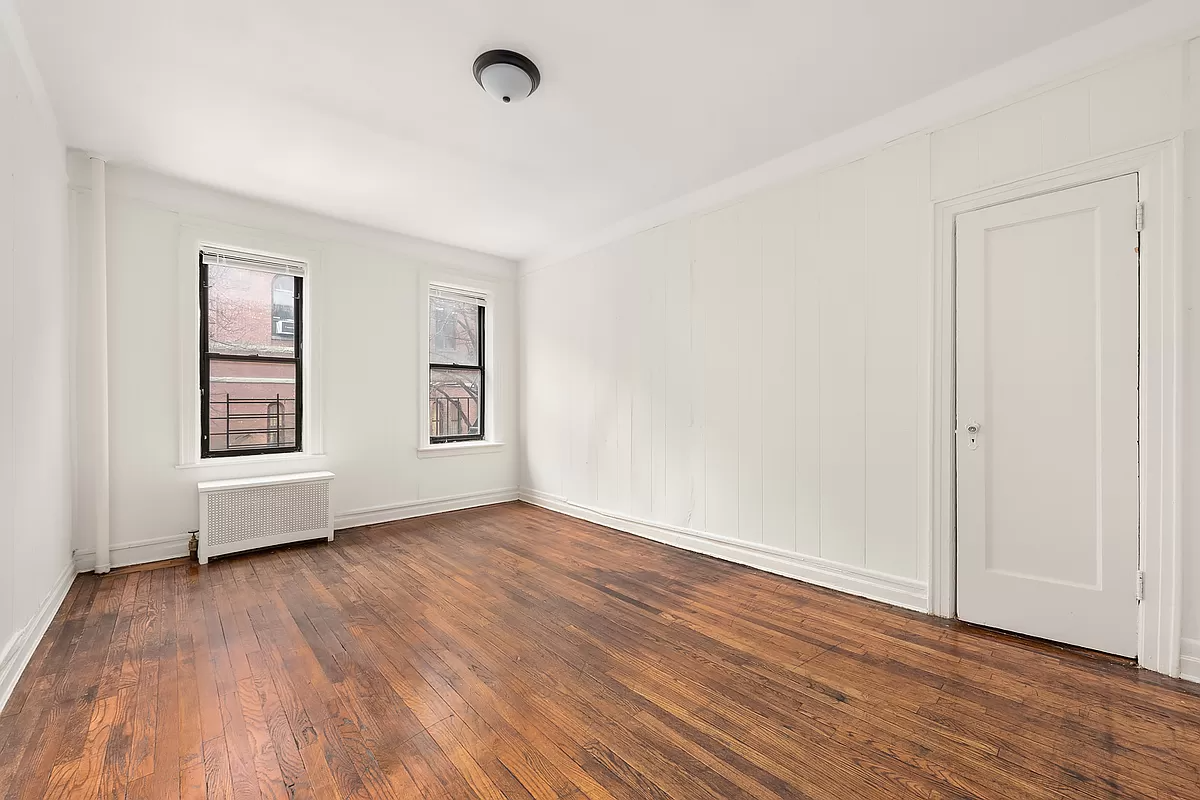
[1047, 442]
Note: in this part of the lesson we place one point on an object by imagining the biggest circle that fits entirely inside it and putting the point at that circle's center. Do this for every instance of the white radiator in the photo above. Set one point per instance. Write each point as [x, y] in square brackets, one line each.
[249, 513]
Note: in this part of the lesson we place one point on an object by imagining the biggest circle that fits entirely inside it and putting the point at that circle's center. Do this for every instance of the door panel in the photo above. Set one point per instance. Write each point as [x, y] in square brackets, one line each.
[1047, 372]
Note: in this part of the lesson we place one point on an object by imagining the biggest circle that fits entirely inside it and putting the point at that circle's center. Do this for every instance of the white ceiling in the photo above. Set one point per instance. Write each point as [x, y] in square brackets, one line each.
[366, 110]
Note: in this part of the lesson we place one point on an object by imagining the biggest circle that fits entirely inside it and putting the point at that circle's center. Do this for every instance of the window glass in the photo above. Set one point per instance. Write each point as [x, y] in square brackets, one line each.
[283, 308]
[455, 396]
[456, 369]
[250, 312]
[251, 372]
[251, 405]
[453, 332]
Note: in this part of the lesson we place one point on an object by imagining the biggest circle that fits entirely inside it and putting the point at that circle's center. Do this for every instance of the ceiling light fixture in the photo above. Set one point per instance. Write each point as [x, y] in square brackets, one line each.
[507, 76]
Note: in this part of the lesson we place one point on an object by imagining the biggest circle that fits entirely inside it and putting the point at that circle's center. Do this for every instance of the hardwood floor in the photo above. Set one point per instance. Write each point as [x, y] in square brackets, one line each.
[509, 652]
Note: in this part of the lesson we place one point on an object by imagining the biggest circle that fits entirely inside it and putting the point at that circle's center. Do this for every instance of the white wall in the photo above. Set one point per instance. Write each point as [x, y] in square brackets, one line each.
[1191, 363]
[752, 373]
[365, 301]
[35, 454]
[753, 380]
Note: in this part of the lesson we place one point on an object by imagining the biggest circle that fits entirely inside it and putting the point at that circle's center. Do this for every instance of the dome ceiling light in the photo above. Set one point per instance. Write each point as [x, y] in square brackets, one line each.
[507, 76]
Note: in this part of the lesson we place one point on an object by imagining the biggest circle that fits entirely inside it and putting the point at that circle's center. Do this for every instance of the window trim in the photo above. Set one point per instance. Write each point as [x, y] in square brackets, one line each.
[490, 440]
[206, 359]
[200, 233]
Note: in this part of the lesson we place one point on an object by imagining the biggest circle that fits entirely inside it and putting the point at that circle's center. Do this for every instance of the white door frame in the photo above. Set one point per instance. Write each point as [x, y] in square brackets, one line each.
[1160, 382]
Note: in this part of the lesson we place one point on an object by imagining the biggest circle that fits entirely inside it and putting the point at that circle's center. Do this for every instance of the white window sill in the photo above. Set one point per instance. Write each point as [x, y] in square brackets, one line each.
[457, 449]
[237, 461]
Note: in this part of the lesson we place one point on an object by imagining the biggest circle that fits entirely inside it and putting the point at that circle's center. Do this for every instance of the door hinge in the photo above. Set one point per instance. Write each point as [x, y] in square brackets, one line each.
[1140, 217]
[1141, 585]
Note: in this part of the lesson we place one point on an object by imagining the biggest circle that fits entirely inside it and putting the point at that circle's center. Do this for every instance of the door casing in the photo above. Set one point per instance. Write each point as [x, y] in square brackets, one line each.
[1159, 170]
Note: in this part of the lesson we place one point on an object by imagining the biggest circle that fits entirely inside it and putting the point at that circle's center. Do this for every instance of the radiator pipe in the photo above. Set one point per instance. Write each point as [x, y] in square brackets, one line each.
[99, 348]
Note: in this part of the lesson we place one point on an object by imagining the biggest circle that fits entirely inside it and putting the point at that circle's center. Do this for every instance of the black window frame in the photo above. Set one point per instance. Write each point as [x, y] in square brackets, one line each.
[481, 369]
[207, 357]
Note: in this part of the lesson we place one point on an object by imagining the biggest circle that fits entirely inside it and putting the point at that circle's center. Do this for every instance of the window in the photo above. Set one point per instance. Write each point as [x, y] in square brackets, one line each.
[457, 326]
[250, 354]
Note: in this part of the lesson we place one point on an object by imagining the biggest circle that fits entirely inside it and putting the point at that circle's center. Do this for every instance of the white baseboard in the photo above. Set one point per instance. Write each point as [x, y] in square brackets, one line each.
[167, 547]
[421, 508]
[20, 647]
[130, 553]
[1189, 659]
[897, 591]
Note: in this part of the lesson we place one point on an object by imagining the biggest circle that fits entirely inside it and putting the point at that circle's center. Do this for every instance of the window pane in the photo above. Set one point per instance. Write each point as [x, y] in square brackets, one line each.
[454, 402]
[251, 405]
[453, 332]
[251, 312]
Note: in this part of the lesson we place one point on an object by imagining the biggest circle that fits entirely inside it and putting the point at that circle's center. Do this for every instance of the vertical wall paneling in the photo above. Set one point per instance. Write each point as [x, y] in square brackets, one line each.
[778, 350]
[1012, 139]
[924, 338]
[582, 299]
[1191, 289]
[567, 347]
[1132, 104]
[842, 208]
[716, 252]
[657, 356]
[894, 238]
[749, 418]
[1191, 345]
[644, 346]
[806, 216]
[625, 333]
[606, 379]
[698, 380]
[1191, 113]
[542, 313]
[955, 165]
[1065, 126]
[1136, 103]
[572, 348]
[546, 443]
[524, 325]
[680, 392]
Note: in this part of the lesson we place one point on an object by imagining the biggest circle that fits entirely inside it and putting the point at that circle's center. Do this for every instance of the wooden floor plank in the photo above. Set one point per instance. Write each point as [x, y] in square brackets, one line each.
[508, 652]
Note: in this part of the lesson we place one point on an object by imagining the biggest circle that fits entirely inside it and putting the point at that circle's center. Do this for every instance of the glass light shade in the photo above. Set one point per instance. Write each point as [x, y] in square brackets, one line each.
[506, 83]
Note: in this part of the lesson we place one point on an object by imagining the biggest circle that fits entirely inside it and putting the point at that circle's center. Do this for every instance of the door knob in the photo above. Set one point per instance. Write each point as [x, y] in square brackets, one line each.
[973, 435]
